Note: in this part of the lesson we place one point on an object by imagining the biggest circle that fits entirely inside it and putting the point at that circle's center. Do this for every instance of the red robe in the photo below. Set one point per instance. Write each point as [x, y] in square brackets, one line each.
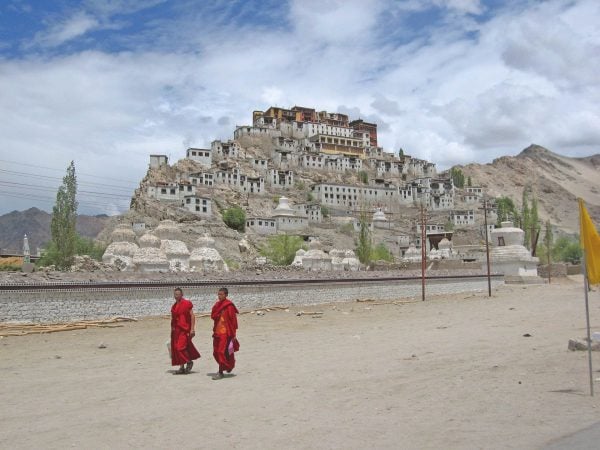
[224, 332]
[182, 348]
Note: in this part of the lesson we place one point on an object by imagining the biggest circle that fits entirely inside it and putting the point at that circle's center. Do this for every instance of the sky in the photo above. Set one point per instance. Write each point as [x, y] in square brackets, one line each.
[106, 83]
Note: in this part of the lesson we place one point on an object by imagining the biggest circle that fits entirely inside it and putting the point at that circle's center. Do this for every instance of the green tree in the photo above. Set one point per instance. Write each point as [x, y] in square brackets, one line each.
[567, 249]
[506, 210]
[543, 247]
[281, 249]
[469, 182]
[364, 244]
[87, 246]
[325, 212]
[363, 176]
[235, 218]
[381, 253]
[526, 219]
[458, 177]
[400, 153]
[62, 227]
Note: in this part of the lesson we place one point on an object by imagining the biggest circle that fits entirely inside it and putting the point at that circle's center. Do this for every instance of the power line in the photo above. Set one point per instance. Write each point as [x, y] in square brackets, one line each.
[51, 189]
[34, 175]
[50, 200]
[60, 170]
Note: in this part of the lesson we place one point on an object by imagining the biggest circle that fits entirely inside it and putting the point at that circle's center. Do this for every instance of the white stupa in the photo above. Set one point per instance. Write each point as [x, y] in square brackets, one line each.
[379, 219]
[315, 258]
[149, 257]
[205, 258]
[283, 209]
[120, 251]
[123, 233]
[445, 248]
[412, 254]
[508, 254]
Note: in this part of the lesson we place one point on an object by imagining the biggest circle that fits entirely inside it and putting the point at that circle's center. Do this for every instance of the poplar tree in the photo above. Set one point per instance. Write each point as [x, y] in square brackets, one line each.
[526, 219]
[534, 219]
[364, 244]
[64, 215]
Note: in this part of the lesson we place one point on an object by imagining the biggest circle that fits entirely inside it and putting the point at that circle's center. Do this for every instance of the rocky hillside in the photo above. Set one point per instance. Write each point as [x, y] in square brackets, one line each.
[556, 180]
[36, 224]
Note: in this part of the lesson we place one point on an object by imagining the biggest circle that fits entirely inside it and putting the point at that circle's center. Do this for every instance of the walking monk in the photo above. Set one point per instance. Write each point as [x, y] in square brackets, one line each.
[224, 333]
[183, 325]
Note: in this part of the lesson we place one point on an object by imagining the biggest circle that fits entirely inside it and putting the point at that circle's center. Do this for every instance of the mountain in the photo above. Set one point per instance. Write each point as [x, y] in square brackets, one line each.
[557, 181]
[36, 224]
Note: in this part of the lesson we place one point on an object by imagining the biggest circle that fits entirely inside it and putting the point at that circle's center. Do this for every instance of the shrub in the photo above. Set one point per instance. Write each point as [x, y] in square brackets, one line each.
[381, 253]
[325, 211]
[363, 176]
[87, 246]
[567, 250]
[235, 218]
[281, 249]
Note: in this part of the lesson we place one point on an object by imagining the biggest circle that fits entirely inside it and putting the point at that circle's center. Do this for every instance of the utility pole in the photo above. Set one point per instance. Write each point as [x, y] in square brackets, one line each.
[423, 259]
[535, 234]
[547, 238]
[487, 246]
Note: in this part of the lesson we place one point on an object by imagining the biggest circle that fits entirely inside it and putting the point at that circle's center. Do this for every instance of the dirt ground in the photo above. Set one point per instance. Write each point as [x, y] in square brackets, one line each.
[453, 372]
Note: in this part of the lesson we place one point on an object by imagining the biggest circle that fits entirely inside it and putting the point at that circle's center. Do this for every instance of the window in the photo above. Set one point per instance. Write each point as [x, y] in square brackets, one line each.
[501, 241]
[163, 191]
[172, 191]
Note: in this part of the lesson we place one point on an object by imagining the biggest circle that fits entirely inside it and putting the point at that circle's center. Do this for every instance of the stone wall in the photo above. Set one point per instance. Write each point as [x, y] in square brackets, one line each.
[556, 270]
[72, 305]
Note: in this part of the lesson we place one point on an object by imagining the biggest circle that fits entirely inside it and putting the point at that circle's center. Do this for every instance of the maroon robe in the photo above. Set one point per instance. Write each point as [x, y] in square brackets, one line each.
[224, 331]
[182, 348]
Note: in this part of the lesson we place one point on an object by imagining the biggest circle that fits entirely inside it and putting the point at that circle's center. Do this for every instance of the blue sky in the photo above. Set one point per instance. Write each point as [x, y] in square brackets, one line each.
[108, 82]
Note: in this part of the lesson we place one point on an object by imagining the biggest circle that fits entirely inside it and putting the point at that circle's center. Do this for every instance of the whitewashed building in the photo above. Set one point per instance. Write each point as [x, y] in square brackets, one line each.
[197, 204]
[225, 150]
[462, 217]
[157, 161]
[200, 155]
[261, 225]
[281, 178]
[311, 211]
[202, 178]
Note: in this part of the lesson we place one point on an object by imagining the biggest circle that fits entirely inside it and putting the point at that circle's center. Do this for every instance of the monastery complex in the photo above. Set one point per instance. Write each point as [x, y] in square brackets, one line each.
[300, 171]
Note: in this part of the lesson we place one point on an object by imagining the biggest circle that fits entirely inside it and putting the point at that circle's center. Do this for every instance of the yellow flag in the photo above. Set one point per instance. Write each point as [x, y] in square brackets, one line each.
[590, 242]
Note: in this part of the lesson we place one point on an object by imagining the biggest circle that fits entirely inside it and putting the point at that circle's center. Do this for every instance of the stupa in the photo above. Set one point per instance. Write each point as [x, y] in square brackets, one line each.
[149, 257]
[510, 257]
[205, 258]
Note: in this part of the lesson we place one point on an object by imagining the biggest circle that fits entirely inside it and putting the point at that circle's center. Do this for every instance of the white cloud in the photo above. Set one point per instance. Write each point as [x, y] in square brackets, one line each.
[66, 30]
[528, 76]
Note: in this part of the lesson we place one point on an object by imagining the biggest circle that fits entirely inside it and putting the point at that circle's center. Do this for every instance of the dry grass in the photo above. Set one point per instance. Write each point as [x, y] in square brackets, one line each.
[11, 261]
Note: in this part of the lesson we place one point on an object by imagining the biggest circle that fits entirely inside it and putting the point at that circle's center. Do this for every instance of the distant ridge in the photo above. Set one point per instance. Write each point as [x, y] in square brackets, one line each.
[36, 224]
[557, 181]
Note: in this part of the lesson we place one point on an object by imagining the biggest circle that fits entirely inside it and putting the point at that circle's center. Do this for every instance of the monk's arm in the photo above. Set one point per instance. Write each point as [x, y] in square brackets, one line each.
[192, 323]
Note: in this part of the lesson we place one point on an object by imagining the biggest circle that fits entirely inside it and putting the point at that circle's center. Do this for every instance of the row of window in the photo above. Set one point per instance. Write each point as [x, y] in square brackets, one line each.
[201, 154]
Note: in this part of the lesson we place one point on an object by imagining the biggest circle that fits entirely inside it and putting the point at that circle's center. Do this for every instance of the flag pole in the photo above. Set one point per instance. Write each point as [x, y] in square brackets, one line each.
[587, 321]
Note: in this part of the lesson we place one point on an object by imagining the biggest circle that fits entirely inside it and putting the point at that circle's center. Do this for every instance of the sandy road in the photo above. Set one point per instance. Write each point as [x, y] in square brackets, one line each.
[453, 372]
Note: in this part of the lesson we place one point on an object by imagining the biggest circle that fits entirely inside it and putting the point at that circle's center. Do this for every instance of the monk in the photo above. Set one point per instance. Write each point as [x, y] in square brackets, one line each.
[183, 325]
[225, 327]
